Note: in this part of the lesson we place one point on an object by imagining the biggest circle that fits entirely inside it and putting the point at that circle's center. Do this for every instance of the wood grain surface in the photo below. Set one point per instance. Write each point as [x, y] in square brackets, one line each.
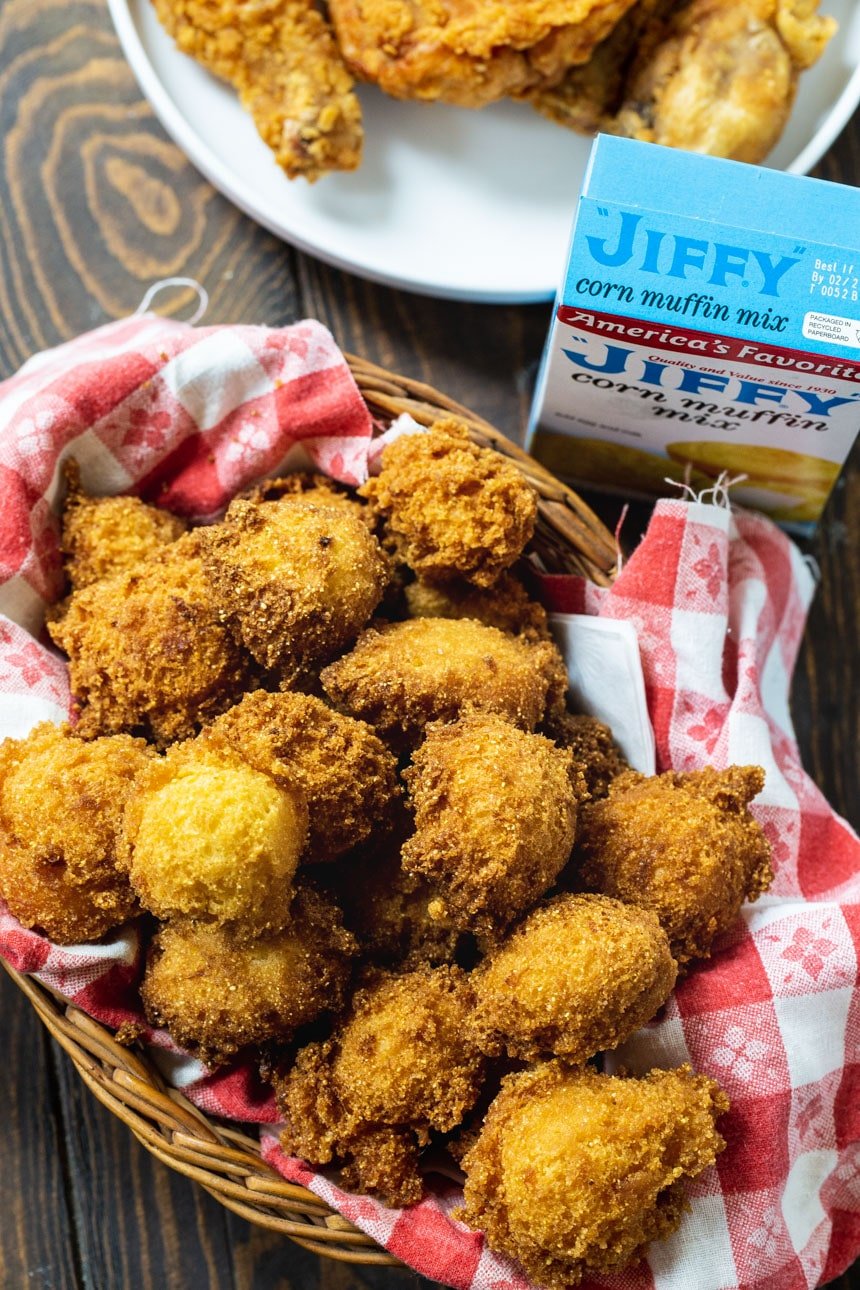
[96, 203]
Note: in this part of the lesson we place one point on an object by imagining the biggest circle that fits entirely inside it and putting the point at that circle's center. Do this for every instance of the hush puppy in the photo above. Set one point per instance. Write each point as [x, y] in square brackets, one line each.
[61, 810]
[575, 1172]
[215, 993]
[682, 845]
[403, 1062]
[295, 581]
[102, 536]
[209, 837]
[506, 605]
[401, 676]
[348, 776]
[495, 819]
[577, 976]
[451, 508]
[146, 650]
[311, 487]
[594, 750]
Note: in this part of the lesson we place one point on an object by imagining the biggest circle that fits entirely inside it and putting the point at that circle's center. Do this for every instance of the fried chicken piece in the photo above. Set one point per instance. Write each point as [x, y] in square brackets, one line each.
[506, 605]
[719, 76]
[684, 846]
[495, 819]
[208, 837]
[577, 976]
[402, 1063]
[281, 57]
[348, 776]
[103, 536]
[146, 650]
[402, 675]
[469, 53]
[593, 749]
[295, 581]
[575, 1172]
[61, 809]
[453, 510]
[215, 992]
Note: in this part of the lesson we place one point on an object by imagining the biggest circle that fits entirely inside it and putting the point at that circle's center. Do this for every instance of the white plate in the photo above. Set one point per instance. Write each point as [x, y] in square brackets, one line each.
[448, 202]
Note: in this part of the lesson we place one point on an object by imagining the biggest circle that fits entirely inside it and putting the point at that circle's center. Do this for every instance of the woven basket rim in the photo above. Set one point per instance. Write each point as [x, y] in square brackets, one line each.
[225, 1161]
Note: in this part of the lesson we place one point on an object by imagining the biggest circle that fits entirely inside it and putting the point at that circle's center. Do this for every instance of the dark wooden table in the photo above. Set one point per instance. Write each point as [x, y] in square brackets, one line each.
[95, 204]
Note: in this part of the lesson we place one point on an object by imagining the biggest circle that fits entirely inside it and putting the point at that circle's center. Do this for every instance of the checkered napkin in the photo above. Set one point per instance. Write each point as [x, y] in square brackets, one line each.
[186, 417]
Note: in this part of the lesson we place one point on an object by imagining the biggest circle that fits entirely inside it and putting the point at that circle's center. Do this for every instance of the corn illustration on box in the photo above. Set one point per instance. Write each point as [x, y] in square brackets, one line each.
[708, 322]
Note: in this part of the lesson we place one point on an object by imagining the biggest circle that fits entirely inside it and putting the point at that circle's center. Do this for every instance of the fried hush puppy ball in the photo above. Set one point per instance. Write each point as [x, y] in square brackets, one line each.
[451, 508]
[61, 810]
[682, 845]
[495, 819]
[346, 773]
[208, 837]
[312, 487]
[506, 605]
[577, 976]
[389, 910]
[403, 1062]
[295, 581]
[146, 650]
[401, 676]
[103, 536]
[593, 749]
[216, 993]
[575, 1172]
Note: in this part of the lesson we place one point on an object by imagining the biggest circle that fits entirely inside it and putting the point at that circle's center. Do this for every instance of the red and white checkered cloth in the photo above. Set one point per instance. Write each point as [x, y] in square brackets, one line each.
[186, 417]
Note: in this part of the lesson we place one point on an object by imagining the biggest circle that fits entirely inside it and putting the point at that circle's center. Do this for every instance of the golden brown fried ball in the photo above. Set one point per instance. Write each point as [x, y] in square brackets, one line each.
[348, 776]
[296, 581]
[577, 976]
[208, 837]
[403, 1062]
[506, 605]
[103, 536]
[453, 509]
[684, 846]
[495, 818]
[312, 487]
[146, 650]
[593, 748]
[575, 1172]
[215, 993]
[61, 809]
[403, 675]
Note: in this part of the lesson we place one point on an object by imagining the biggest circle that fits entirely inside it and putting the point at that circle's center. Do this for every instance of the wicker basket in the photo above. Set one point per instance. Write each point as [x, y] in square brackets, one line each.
[226, 1162]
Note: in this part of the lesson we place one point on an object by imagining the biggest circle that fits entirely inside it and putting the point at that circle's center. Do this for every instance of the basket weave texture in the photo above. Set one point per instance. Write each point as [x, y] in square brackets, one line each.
[569, 538]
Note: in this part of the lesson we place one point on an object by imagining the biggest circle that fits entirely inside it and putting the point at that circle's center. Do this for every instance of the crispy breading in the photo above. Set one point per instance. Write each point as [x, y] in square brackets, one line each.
[388, 909]
[209, 837]
[495, 819]
[313, 488]
[468, 52]
[147, 652]
[506, 605]
[453, 509]
[295, 581]
[719, 76]
[61, 810]
[216, 993]
[576, 977]
[575, 1172]
[102, 536]
[402, 1062]
[592, 746]
[401, 676]
[281, 57]
[348, 776]
[682, 845]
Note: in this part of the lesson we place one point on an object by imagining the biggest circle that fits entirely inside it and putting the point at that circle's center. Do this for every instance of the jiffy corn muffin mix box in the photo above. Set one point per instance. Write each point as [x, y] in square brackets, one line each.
[708, 321]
